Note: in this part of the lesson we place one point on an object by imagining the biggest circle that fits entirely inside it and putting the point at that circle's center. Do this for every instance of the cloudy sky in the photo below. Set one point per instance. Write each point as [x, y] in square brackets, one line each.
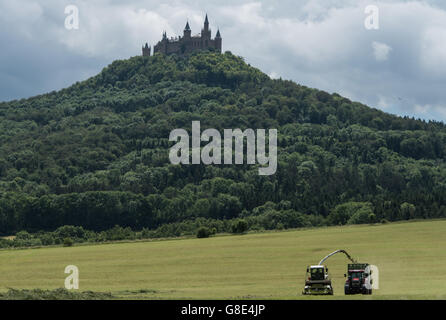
[399, 68]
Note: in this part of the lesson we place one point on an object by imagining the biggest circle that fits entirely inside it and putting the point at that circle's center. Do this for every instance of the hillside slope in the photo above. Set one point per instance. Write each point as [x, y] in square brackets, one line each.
[96, 154]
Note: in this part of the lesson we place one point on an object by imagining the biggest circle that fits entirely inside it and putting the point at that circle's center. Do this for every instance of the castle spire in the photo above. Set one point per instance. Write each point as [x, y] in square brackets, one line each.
[218, 41]
[206, 23]
[187, 28]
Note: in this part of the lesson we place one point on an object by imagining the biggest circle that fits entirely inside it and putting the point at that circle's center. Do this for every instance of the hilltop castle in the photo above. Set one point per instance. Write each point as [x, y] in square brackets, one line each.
[187, 43]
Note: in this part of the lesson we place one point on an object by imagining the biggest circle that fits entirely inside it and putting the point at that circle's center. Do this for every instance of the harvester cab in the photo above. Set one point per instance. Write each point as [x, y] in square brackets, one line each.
[317, 281]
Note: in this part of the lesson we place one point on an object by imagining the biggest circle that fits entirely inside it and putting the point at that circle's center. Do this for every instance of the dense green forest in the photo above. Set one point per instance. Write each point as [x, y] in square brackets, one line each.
[95, 154]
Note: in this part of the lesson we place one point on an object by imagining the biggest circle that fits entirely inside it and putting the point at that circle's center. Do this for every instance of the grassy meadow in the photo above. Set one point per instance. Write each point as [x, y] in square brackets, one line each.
[411, 257]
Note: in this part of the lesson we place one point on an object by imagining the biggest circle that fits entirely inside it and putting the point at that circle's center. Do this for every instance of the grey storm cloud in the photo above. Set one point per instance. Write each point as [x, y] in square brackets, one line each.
[399, 68]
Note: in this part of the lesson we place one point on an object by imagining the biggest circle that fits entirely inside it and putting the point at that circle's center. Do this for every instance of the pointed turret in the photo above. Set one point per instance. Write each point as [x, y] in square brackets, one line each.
[206, 23]
[218, 41]
[187, 31]
[206, 32]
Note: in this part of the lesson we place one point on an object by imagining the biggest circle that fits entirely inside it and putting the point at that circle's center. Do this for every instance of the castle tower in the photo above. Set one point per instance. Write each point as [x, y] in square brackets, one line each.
[206, 32]
[146, 50]
[164, 43]
[218, 41]
[187, 31]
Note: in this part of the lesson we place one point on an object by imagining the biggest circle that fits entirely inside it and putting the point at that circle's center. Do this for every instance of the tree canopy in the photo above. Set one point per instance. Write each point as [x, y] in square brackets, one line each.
[96, 154]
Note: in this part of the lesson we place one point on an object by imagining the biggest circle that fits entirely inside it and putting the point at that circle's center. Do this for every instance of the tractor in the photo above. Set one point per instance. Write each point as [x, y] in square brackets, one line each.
[358, 279]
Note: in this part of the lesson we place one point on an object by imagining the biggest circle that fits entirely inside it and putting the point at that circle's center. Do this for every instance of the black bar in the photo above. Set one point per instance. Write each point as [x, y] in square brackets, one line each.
[230, 309]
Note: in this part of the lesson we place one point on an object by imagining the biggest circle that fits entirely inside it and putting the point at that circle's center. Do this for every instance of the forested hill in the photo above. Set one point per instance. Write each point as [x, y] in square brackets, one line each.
[96, 154]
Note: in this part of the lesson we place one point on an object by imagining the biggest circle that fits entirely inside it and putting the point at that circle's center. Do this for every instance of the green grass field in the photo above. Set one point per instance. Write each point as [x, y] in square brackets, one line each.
[411, 258]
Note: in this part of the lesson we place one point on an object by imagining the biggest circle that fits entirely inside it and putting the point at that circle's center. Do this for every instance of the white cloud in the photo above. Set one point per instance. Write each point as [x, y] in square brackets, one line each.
[422, 109]
[113, 32]
[382, 102]
[381, 51]
[274, 75]
[433, 50]
[21, 17]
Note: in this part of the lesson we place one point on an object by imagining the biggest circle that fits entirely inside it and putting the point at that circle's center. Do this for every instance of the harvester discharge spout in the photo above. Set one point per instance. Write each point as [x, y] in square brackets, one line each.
[338, 251]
